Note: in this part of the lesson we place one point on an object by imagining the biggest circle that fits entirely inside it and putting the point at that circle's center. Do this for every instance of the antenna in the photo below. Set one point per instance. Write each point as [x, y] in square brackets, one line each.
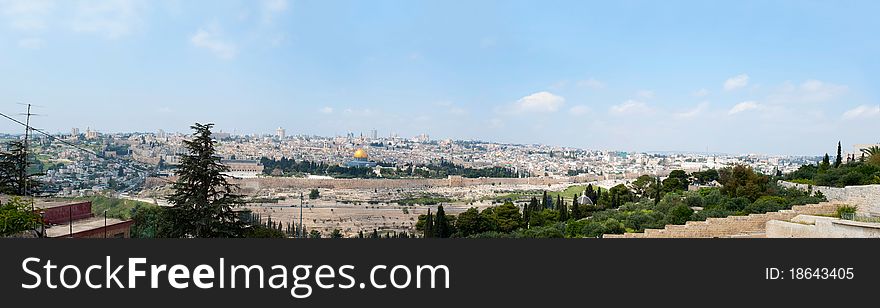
[27, 130]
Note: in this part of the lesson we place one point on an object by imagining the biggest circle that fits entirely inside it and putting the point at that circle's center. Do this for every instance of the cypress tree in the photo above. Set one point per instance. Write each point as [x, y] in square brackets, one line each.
[657, 191]
[563, 210]
[544, 200]
[429, 225]
[575, 208]
[839, 159]
[442, 229]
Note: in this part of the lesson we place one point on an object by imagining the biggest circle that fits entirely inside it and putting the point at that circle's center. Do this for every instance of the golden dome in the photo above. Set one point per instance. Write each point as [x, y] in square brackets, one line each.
[360, 153]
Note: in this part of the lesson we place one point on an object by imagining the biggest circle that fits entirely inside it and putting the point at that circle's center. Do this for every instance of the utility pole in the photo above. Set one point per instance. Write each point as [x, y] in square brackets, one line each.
[301, 235]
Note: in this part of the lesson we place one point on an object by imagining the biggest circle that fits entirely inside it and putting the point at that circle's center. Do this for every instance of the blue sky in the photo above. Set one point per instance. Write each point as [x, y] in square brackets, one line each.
[778, 77]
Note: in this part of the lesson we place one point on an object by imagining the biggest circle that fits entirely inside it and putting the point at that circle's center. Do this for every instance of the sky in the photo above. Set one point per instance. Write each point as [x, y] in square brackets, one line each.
[772, 77]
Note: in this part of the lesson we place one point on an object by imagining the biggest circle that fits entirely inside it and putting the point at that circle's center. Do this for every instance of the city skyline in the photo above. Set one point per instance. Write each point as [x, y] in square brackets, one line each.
[744, 77]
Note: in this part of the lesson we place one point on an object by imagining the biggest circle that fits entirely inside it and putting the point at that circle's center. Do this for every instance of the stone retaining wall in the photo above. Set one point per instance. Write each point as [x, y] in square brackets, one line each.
[865, 197]
[752, 225]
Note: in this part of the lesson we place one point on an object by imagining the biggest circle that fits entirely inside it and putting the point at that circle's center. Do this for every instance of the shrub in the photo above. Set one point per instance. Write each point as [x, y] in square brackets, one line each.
[844, 209]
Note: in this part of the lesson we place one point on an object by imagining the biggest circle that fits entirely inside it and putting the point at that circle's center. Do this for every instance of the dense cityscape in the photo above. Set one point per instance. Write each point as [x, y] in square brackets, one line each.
[128, 158]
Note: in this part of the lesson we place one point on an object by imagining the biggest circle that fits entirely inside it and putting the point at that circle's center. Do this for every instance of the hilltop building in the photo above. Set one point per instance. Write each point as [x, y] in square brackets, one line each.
[361, 160]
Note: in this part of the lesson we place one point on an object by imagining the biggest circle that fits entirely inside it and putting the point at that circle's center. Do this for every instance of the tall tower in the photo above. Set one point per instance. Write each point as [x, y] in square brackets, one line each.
[280, 133]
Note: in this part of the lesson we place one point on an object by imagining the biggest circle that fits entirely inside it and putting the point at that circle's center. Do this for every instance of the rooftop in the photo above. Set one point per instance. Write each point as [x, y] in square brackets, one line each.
[80, 225]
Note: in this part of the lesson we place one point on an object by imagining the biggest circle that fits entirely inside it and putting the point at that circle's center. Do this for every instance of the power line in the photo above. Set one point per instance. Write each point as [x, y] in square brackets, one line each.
[50, 136]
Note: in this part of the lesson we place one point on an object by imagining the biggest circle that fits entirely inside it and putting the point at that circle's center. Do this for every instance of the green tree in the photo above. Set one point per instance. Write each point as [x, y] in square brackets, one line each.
[682, 177]
[336, 234]
[657, 190]
[825, 164]
[505, 217]
[641, 184]
[314, 194]
[202, 198]
[429, 225]
[471, 222]
[575, 208]
[442, 228]
[16, 177]
[679, 214]
[563, 209]
[16, 216]
[742, 181]
[705, 177]
[544, 201]
[839, 159]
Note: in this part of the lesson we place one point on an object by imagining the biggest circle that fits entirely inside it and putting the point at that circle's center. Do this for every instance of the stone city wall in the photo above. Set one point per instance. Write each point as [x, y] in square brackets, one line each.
[866, 198]
[752, 225]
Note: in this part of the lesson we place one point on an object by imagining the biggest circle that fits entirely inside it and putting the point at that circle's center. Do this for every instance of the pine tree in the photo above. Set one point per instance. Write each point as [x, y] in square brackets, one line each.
[839, 159]
[15, 178]
[203, 199]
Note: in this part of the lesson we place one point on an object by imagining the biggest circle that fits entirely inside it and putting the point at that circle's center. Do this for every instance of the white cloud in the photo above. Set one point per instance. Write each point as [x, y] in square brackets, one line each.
[591, 83]
[630, 107]
[818, 91]
[539, 102]
[457, 111]
[271, 8]
[700, 93]
[742, 107]
[112, 19]
[27, 15]
[696, 111]
[645, 94]
[211, 38]
[326, 110]
[578, 110]
[863, 111]
[31, 43]
[810, 91]
[736, 82]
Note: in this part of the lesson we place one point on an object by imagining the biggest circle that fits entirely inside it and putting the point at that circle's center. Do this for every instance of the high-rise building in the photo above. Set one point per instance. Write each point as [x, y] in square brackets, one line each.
[374, 134]
[280, 133]
[74, 132]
